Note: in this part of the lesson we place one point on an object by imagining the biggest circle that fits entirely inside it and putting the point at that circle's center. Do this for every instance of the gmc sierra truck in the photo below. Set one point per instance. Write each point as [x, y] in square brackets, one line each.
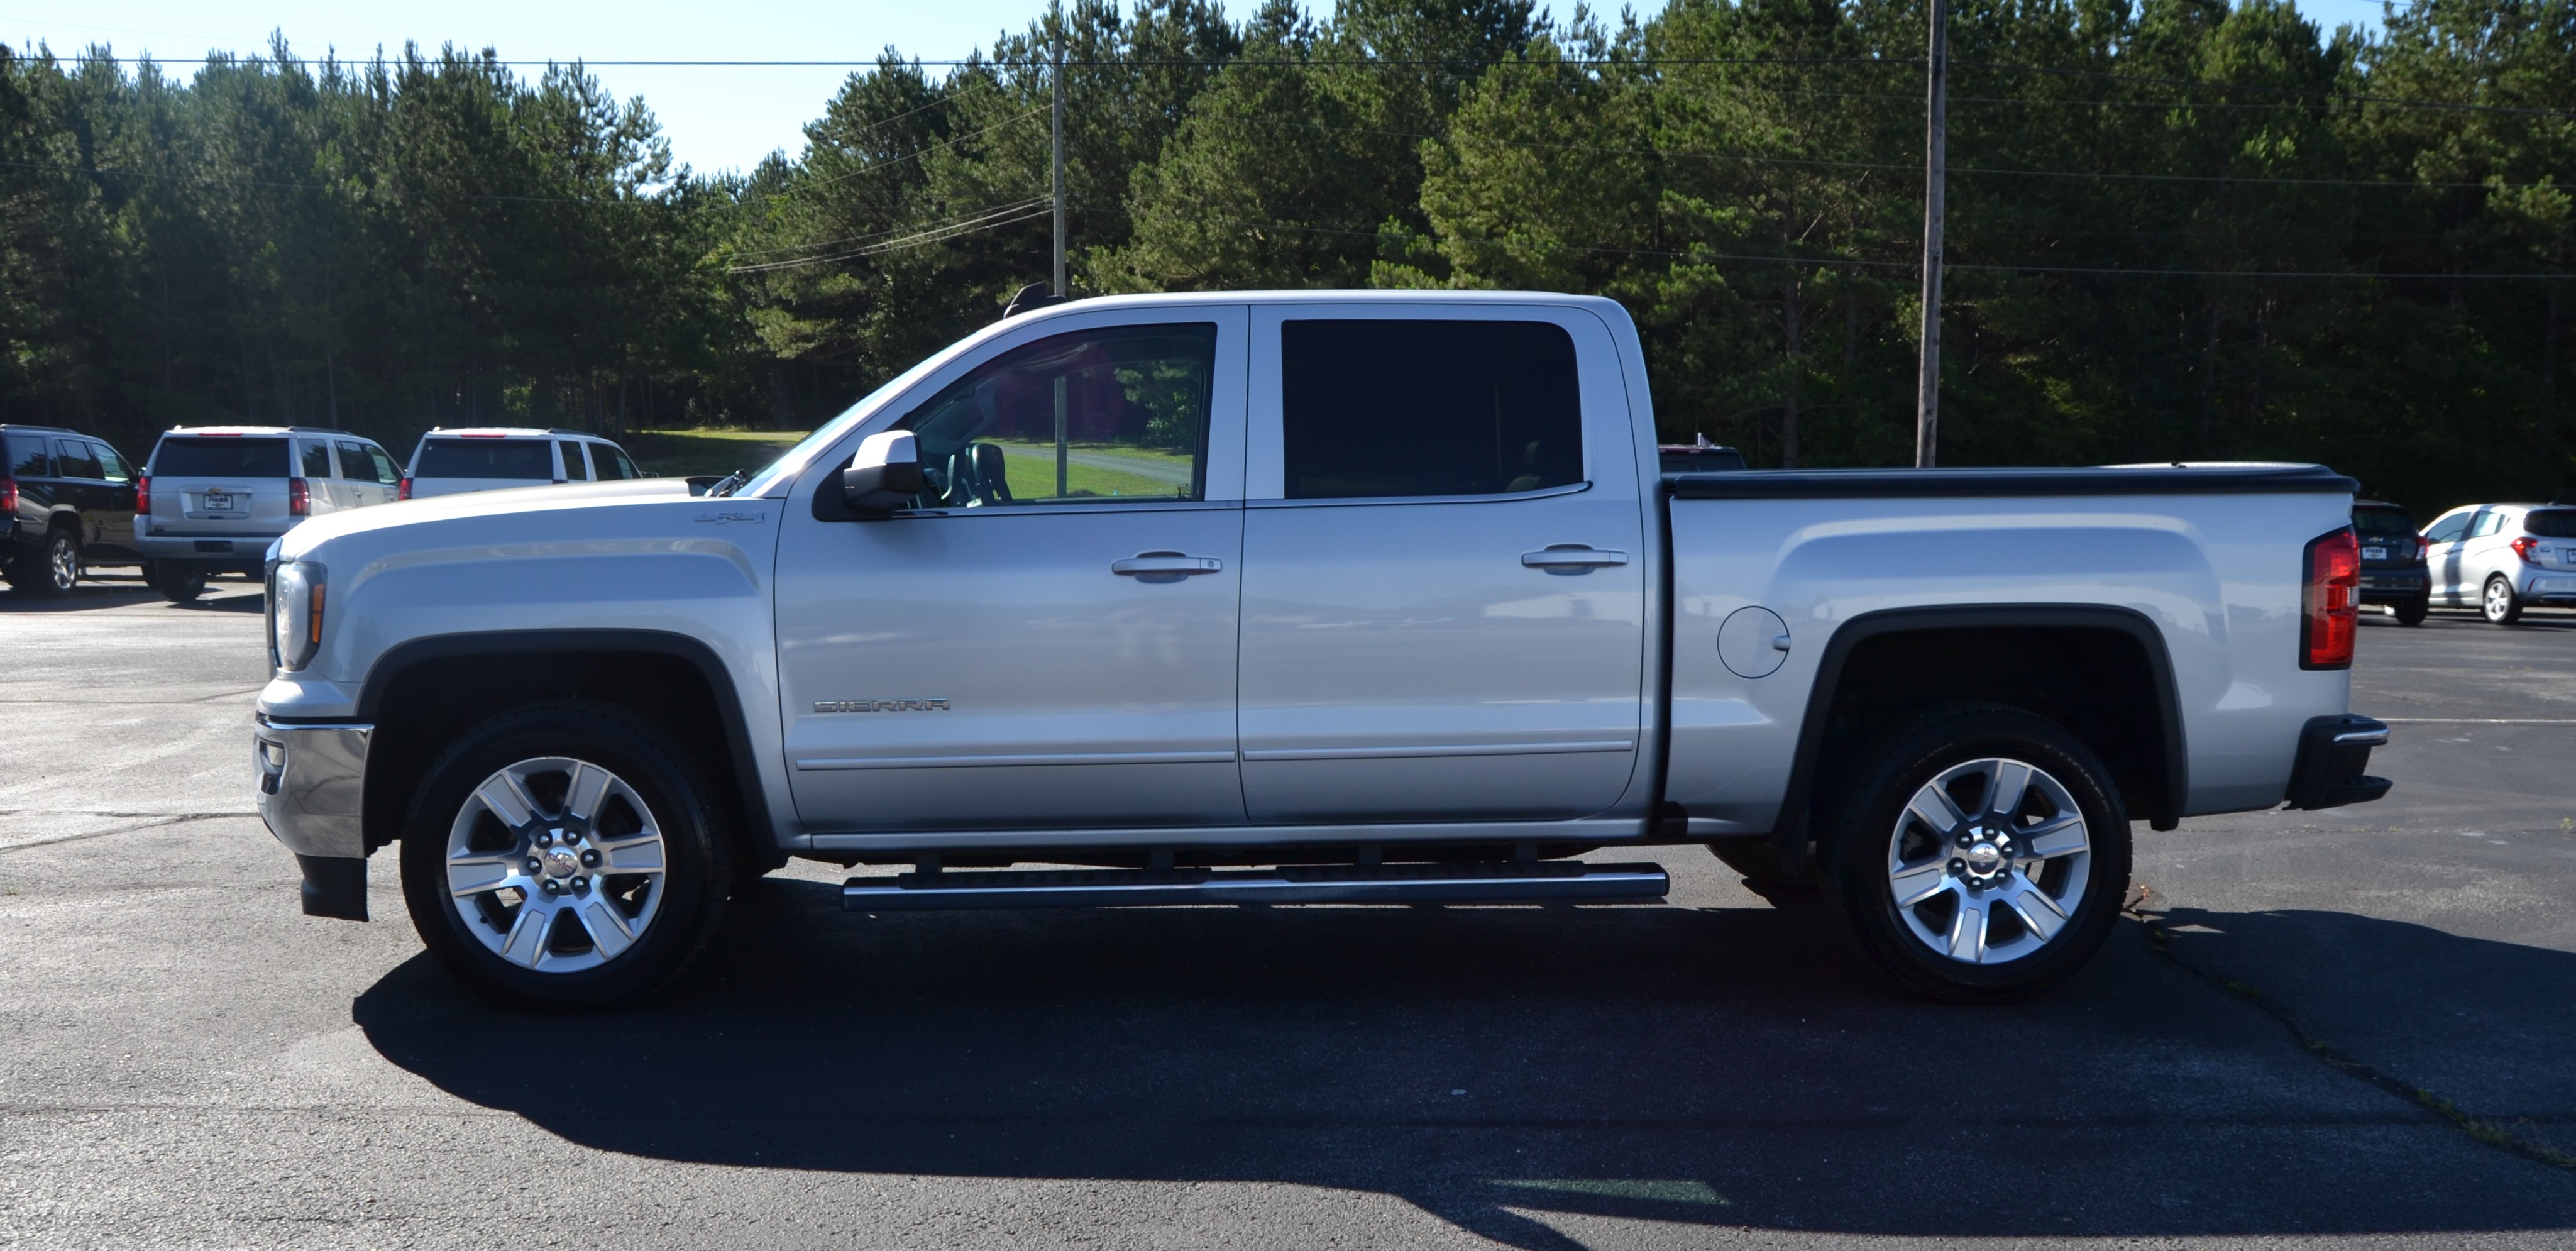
[1314, 597]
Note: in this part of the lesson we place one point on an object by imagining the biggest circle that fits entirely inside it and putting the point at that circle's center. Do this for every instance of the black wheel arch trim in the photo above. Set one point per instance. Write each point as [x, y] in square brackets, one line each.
[1791, 826]
[744, 766]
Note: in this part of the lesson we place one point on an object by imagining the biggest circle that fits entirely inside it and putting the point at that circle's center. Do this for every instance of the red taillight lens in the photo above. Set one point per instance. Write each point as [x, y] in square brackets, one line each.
[2423, 547]
[2330, 610]
[2522, 547]
[299, 498]
[143, 495]
[403, 492]
[8, 498]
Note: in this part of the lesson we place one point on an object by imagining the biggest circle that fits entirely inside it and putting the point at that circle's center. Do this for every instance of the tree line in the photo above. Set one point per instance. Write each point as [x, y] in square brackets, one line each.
[2179, 229]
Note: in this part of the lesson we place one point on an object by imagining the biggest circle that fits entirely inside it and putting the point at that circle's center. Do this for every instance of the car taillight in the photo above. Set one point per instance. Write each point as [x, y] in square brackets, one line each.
[143, 494]
[8, 497]
[403, 492]
[2329, 606]
[2423, 547]
[2522, 547]
[299, 497]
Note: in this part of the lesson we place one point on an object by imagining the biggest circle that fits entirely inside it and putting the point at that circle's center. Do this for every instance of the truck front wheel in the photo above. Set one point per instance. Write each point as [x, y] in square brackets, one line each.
[1979, 854]
[559, 857]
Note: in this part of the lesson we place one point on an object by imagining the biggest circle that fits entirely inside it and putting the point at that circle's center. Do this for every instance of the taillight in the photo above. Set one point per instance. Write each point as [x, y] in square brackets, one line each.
[8, 497]
[2522, 547]
[2423, 547]
[2330, 611]
[403, 492]
[299, 498]
[143, 495]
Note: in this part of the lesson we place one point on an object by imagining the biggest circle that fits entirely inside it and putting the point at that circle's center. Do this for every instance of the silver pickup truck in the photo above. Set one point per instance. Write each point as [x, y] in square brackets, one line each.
[1320, 597]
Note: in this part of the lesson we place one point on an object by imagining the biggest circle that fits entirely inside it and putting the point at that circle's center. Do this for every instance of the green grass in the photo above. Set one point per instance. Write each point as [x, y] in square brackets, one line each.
[1033, 477]
[683, 453]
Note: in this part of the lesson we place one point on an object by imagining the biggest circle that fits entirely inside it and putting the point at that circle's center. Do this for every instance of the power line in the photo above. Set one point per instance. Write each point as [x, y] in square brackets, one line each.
[1028, 210]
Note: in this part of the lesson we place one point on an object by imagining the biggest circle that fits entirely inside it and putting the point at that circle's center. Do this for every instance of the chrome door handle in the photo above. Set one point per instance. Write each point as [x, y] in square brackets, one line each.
[1160, 565]
[1572, 556]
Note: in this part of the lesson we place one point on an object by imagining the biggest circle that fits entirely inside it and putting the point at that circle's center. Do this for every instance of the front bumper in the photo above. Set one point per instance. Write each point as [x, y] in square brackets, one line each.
[2333, 751]
[312, 792]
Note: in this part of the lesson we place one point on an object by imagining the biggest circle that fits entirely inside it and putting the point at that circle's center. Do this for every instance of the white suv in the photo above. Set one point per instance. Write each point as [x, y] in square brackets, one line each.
[2503, 557]
[491, 458]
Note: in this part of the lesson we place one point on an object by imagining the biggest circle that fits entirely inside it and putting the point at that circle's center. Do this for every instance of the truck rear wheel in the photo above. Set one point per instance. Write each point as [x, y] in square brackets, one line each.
[559, 857]
[1979, 855]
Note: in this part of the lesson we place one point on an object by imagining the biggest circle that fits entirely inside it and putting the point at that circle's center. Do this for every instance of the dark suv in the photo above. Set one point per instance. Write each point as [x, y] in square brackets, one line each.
[2392, 560]
[68, 500]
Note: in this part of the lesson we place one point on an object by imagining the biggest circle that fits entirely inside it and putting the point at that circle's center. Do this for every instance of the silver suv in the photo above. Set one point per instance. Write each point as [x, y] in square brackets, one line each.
[2503, 558]
[214, 497]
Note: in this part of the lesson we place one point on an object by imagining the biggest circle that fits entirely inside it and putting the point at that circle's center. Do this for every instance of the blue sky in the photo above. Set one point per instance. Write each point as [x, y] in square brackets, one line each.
[717, 118]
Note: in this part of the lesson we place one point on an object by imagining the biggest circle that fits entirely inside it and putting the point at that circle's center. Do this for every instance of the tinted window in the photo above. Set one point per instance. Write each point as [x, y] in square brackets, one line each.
[2551, 523]
[315, 459]
[526, 459]
[28, 457]
[2449, 529]
[1096, 415]
[220, 458]
[2488, 523]
[353, 462]
[572, 470]
[73, 459]
[612, 462]
[2382, 521]
[1392, 408]
[113, 465]
[387, 472]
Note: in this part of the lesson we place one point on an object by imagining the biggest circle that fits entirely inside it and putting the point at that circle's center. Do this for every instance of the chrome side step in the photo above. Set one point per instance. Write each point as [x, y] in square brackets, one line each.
[1555, 881]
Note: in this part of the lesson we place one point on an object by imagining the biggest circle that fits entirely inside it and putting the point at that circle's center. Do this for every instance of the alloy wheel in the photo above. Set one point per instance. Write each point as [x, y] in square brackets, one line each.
[555, 865]
[1989, 861]
[62, 563]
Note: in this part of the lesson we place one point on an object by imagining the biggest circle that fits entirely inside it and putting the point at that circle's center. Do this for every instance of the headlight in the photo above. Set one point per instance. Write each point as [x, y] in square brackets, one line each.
[294, 613]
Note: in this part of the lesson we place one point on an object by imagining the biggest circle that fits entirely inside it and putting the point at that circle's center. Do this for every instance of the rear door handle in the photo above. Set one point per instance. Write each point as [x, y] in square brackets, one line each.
[1164, 566]
[1572, 556]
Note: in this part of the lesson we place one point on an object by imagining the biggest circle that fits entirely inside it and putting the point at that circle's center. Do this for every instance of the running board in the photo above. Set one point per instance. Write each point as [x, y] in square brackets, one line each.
[1555, 881]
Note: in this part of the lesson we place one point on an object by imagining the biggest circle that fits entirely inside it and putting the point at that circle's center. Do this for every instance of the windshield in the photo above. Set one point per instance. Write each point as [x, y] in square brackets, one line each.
[220, 458]
[793, 460]
[530, 460]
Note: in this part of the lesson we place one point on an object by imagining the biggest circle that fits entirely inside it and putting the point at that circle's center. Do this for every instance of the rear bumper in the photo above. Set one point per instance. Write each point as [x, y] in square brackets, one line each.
[2333, 751]
[231, 548]
[2555, 587]
[312, 791]
[2388, 586]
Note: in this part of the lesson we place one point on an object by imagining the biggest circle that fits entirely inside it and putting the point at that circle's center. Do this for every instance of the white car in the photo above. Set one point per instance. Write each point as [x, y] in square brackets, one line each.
[2503, 558]
[492, 458]
[1298, 597]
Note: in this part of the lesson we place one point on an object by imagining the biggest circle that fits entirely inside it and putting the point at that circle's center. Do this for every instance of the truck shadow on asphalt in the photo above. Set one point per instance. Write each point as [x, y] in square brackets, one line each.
[94, 594]
[1498, 1067]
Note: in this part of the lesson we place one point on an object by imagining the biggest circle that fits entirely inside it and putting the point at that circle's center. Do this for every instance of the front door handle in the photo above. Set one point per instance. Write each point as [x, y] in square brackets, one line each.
[1164, 566]
[1572, 557]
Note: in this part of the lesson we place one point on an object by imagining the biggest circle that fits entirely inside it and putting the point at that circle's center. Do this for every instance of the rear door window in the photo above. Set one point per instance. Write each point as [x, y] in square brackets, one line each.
[2551, 523]
[2449, 529]
[353, 462]
[315, 459]
[220, 458]
[74, 459]
[526, 460]
[387, 473]
[572, 462]
[112, 465]
[2489, 522]
[1390, 408]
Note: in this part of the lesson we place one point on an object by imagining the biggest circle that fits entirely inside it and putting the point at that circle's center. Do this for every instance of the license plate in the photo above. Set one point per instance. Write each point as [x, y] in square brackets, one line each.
[2374, 553]
[219, 501]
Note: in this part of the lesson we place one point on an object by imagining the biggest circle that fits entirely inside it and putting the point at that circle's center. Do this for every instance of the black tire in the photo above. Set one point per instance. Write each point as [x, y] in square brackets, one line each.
[1759, 861]
[52, 571]
[1868, 834]
[179, 582]
[2499, 605]
[685, 900]
[2411, 612]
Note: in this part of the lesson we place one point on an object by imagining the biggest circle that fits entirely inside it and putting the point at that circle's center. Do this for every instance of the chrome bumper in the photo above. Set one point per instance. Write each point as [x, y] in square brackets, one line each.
[312, 783]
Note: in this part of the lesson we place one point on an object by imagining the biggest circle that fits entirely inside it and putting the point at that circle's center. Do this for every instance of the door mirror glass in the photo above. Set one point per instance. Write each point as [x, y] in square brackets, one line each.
[885, 475]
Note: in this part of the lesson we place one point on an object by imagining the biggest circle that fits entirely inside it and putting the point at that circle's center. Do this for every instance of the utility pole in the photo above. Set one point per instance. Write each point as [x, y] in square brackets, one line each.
[1927, 402]
[1056, 78]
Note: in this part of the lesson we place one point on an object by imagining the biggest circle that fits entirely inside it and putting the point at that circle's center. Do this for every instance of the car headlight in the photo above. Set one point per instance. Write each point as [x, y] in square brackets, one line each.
[294, 613]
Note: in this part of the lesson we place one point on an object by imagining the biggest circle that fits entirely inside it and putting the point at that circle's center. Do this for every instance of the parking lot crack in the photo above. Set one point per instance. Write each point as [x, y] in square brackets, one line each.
[2491, 1132]
[159, 819]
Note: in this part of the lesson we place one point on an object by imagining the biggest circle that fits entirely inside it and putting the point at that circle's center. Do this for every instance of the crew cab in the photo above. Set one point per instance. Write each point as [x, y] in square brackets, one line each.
[1287, 598]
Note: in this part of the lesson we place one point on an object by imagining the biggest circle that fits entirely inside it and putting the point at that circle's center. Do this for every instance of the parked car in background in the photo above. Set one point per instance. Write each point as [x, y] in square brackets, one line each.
[213, 498]
[2503, 558]
[2392, 560]
[68, 500]
[493, 458]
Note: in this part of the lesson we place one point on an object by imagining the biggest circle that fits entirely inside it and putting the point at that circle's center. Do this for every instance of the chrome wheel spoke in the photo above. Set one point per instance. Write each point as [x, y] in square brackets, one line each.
[2006, 788]
[526, 942]
[2039, 913]
[1913, 886]
[1933, 807]
[1968, 929]
[2061, 836]
[589, 784]
[641, 854]
[476, 873]
[607, 927]
[574, 862]
[504, 796]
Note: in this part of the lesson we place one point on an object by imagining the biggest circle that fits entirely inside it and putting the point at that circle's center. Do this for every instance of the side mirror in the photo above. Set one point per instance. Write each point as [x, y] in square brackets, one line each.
[885, 475]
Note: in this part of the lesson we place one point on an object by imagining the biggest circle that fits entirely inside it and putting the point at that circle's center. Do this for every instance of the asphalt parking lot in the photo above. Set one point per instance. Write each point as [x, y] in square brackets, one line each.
[2355, 1027]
